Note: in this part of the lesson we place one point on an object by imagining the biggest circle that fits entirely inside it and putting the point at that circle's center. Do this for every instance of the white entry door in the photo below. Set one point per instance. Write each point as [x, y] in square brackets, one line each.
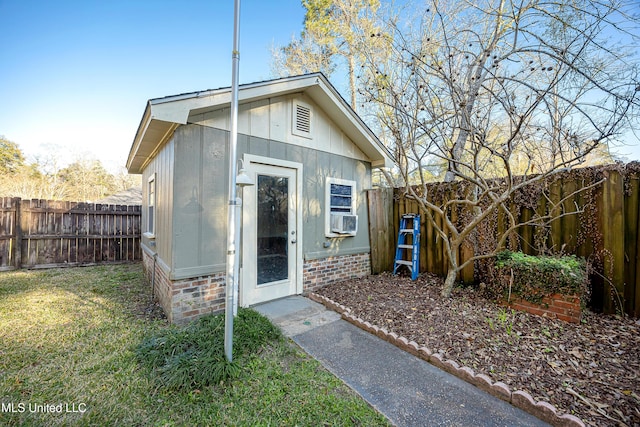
[271, 255]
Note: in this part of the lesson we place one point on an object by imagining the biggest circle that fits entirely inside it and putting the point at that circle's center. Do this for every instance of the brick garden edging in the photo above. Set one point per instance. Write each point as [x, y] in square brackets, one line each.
[520, 399]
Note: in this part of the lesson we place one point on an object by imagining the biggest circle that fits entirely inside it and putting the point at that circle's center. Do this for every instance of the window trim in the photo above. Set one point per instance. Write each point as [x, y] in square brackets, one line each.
[152, 212]
[327, 204]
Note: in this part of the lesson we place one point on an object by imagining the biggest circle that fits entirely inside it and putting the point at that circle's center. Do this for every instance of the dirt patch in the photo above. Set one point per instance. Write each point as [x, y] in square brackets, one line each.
[590, 370]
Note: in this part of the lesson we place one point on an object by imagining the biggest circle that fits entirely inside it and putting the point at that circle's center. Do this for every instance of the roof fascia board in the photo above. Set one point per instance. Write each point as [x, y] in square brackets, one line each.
[370, 144]
[177, 108]
[137, 140]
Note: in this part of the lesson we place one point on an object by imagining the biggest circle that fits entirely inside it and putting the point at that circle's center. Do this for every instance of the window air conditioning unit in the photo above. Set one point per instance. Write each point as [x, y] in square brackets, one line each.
[344, 223]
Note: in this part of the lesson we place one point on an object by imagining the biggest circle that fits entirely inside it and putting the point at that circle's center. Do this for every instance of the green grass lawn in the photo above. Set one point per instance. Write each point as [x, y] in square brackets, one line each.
[72, 352]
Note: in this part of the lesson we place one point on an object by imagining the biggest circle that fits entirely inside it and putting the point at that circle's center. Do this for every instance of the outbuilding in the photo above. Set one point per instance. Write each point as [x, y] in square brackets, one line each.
[304, 221]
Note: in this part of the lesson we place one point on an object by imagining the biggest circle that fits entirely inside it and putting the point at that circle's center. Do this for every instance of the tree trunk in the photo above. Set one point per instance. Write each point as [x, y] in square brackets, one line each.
[449, 282]
[352, 81]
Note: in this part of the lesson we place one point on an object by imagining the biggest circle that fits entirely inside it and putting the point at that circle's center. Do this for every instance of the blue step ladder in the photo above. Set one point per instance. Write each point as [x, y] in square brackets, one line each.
[409, 226]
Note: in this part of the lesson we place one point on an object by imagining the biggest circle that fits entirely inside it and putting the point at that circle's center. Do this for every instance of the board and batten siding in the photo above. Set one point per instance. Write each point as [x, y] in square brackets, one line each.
[319, 166]
[199, 239]
[191, 183]
[162, 167]
[271, 119]
[200, 201]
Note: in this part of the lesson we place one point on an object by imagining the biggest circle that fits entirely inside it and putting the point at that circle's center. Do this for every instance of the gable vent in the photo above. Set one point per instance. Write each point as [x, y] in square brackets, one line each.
[302, 120]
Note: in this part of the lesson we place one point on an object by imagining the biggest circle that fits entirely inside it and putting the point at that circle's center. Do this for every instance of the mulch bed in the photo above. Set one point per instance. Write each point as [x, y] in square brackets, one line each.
[590, 370]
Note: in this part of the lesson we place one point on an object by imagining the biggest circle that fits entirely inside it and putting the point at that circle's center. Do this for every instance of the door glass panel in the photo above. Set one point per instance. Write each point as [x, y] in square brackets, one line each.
[273, 221]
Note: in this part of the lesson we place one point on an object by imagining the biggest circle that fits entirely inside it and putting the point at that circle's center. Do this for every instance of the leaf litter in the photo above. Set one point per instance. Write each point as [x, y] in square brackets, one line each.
[590, 370]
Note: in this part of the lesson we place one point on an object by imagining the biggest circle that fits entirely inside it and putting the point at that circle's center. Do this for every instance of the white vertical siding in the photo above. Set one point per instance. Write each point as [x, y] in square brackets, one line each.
[271, 119]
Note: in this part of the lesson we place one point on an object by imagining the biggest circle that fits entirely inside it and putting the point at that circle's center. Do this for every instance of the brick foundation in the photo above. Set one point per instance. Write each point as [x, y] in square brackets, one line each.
[556, 306]
[321, 272]
[184, 300]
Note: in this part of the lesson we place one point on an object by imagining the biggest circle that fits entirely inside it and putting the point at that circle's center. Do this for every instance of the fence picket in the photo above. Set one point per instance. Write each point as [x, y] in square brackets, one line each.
[613, 229]
[607, 233]
[630, 240]
[38, 233]
[636, 306]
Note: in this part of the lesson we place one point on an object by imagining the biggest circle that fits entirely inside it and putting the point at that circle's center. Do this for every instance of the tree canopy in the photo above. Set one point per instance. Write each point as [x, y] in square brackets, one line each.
[331, 39]
[83, 180]
[474, 91]
[11, 157]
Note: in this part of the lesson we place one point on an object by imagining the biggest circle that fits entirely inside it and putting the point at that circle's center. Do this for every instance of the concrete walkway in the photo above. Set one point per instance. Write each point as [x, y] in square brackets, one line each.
[406, 389]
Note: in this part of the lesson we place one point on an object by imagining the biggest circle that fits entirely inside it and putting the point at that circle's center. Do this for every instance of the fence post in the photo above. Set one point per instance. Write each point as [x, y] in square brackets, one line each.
[17, 262]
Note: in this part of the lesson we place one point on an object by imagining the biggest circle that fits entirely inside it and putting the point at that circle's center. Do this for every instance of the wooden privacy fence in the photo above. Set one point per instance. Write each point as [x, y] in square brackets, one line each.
[46, 233]
[606, 233]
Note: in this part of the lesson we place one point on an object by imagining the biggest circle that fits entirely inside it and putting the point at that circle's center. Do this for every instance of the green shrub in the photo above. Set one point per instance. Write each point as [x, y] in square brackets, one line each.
[193, 356]
[535, 277]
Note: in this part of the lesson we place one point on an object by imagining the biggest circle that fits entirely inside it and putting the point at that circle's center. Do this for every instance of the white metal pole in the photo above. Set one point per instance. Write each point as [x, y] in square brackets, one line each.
[232, 253]
[236, 267]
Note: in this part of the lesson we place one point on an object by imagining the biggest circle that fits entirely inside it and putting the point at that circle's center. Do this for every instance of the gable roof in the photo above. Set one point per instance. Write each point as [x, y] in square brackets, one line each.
[163, 115]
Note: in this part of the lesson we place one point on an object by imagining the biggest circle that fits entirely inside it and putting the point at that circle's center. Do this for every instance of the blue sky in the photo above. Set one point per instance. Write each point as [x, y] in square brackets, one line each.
[75, 75]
